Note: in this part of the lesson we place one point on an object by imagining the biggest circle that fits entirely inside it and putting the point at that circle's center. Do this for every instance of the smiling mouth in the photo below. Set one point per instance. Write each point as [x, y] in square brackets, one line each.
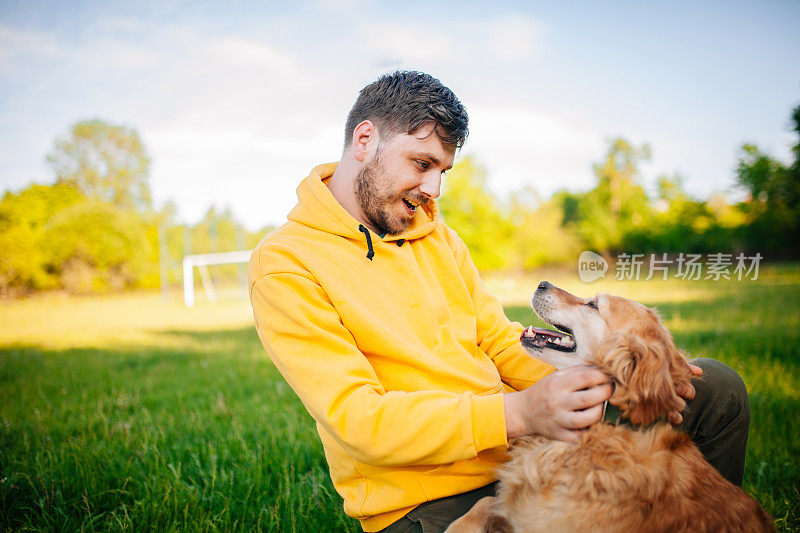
[411, 207]
[539, 338]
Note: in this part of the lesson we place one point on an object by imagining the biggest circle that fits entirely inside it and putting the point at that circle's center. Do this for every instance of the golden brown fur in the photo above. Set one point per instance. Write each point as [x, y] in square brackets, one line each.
[618, 479]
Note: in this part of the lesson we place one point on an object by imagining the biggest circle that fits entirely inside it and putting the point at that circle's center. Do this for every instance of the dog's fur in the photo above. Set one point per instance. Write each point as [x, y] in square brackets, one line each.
[615, 478]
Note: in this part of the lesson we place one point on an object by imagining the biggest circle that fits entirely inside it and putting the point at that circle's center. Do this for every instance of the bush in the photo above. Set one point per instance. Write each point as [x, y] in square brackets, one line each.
[23, 216]
[96, 247]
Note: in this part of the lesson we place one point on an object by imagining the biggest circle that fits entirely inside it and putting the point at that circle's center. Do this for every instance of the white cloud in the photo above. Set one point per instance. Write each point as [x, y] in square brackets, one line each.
[117, 24]
[257, 176]
[14, 42]
[409, 44]
[514, 39]
[522, 146]
[236, 124]
[249, 53]
[115, 54]
[510, 39]
[102, 50]
[239, 116]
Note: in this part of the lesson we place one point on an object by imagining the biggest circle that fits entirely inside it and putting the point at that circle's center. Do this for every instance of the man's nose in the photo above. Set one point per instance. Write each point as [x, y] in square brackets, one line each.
[431, 185]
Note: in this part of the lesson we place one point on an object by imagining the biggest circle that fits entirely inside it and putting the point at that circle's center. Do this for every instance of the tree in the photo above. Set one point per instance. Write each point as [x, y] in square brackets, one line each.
[680, 223]
[761, 175]
[794, 170]
[619, 171]
[774, 205]
[767, 180]
[539, 237]
[94, 246]
[23, 216]
[470, 208]
[616, 206]
[104, 161]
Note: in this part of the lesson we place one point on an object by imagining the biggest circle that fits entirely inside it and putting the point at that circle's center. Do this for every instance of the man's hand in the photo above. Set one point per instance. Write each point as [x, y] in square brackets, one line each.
[675, 418]
[559, 405]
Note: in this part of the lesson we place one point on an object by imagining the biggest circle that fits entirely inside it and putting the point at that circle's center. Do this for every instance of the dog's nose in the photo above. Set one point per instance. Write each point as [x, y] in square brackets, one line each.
[544, 285]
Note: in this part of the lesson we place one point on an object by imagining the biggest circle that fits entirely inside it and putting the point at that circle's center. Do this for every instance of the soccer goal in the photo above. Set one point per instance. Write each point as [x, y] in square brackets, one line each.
[202, 262]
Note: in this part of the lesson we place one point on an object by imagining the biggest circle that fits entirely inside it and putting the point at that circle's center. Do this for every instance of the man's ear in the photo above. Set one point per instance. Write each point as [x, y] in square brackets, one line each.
[365, 138]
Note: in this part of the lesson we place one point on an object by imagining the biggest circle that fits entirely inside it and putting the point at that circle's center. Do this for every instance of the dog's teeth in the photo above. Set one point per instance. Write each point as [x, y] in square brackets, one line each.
[567, 342]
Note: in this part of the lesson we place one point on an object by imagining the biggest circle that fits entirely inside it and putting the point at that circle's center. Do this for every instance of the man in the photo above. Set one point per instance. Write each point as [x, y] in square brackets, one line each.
[374, 313]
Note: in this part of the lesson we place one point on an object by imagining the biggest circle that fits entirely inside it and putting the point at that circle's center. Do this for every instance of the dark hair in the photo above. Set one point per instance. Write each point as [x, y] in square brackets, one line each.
[404, 101]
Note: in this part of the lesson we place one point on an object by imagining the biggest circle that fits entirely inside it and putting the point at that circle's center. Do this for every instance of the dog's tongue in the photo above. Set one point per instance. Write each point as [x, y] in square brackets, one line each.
[543, 331]
[541, 337]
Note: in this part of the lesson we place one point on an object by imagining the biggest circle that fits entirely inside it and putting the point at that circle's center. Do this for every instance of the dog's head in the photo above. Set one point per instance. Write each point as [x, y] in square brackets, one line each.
[623, 338]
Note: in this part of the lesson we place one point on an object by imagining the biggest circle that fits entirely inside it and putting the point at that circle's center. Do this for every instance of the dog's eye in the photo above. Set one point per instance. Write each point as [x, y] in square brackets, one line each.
[592, 304]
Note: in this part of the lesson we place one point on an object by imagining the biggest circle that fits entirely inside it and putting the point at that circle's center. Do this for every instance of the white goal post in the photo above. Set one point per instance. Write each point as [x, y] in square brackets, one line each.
[202, 261]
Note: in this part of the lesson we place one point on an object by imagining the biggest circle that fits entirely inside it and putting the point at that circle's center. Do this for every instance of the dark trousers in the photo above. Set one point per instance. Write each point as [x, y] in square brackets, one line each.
[717, 419]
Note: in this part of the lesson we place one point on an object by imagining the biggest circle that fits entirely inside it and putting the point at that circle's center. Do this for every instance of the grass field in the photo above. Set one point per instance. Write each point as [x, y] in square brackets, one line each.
[129, 413]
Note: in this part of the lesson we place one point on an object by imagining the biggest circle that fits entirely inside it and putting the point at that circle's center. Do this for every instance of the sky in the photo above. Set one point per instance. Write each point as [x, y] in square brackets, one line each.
[237, 101]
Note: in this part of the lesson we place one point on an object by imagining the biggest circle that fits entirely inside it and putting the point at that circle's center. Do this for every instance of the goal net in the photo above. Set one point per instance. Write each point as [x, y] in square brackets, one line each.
[202, 262]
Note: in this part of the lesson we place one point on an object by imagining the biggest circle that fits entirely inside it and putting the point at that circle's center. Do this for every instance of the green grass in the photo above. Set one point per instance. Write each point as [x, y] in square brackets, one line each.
[128, 413]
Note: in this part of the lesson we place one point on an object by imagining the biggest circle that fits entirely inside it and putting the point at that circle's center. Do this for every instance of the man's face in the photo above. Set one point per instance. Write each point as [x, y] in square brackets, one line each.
[404, 173]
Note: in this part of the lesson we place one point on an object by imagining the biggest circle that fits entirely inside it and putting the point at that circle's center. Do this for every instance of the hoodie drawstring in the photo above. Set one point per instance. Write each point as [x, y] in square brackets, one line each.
[370, 251]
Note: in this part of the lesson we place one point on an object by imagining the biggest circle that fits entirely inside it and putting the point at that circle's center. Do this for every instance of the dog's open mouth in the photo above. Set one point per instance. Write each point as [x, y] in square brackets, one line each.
[538, 338]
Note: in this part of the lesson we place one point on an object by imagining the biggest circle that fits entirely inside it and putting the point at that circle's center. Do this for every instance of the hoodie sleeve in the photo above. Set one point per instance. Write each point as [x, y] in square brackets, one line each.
[302, 332]
[497, 336]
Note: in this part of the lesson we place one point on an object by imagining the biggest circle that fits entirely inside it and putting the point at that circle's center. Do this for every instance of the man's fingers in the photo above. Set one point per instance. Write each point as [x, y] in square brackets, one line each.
[583, 377]
[585, 418]
[675, 418]
[589, 397]
[682, 405]
[567, 435]
[687, 392]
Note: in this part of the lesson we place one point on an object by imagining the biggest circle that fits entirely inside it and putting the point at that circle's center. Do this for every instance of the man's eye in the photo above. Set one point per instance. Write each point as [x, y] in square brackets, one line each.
[423, 165]
[592, 304]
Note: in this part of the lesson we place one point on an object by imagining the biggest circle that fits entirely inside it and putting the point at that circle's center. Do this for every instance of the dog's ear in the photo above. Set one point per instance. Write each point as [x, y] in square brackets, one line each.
[647, 375]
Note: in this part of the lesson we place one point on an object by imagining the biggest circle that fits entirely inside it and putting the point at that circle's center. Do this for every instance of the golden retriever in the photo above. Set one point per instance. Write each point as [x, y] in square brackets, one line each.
[616, 478]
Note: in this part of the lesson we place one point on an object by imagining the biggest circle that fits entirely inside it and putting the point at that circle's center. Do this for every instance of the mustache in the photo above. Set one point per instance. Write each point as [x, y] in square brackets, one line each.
[416, 198]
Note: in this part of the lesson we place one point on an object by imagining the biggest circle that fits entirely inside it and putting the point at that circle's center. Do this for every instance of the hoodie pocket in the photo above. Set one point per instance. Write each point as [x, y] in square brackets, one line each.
[445, 468]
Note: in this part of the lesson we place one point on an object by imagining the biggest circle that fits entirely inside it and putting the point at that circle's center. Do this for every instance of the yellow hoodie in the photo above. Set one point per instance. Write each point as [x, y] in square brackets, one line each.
[401, 357]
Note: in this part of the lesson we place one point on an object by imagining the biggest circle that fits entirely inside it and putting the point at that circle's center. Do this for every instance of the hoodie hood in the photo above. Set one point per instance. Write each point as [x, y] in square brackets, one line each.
[317, 208]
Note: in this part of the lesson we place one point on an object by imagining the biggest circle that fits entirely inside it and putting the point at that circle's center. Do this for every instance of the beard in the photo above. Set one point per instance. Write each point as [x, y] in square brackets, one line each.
[375, 198]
